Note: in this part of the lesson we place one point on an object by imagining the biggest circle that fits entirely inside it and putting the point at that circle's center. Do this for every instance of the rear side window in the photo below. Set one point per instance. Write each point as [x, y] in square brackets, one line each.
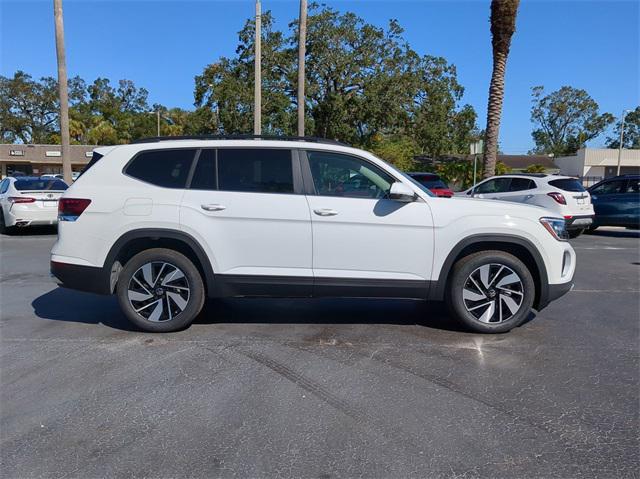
[166, 168]
[567, 184]
[4, 186]
[255, 170]
[40, 185]
[521, 184]
[204, 176]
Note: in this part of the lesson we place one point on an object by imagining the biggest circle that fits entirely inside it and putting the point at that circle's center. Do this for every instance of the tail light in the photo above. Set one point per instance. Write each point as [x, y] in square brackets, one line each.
[559, 197]
[69, 209]
[21, 199]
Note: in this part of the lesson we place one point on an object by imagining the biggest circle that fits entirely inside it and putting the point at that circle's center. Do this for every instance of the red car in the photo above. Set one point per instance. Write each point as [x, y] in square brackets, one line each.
[434, 183]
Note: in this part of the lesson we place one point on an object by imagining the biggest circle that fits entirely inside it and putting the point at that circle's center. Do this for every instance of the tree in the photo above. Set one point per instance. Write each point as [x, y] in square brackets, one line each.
[631, 131]
[63, 91]
[535, 168]
[565, 120]
[503, 25]
[363, 83]
[28, 108]
[302, 49]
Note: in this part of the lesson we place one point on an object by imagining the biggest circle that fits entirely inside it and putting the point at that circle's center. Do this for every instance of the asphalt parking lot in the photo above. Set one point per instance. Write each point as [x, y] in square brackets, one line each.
[320, 388]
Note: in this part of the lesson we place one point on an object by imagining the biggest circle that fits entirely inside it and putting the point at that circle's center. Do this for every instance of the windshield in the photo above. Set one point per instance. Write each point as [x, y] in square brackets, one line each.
[40, 184]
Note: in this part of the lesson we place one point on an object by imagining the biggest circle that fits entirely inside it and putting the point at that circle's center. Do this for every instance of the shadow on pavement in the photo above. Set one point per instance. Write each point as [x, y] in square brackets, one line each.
[33, 231]
[67, 305]
[617, 233]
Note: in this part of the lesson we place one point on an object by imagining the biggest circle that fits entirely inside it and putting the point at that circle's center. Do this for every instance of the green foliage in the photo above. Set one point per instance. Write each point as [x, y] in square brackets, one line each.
[363, 83]
[399, 151]
[565, 120]
[459, 174]
[535, 168]
[631, 131]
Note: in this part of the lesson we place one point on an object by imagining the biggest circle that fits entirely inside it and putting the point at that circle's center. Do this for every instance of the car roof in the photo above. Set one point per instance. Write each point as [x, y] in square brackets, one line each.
[425, 173]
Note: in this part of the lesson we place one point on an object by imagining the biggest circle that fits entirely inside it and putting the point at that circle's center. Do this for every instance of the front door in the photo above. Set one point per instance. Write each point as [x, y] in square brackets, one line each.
[363, 242]
[245, 204]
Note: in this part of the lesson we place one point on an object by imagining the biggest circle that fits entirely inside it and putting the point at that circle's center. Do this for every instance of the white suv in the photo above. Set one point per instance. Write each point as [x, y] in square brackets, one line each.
[564, 195]
[166, 222]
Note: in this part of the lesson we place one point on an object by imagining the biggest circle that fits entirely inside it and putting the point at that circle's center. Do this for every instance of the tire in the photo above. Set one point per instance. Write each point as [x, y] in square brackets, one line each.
[492, 309]
[590, 229]
[4, 229]
[575, 233]
[160, 290]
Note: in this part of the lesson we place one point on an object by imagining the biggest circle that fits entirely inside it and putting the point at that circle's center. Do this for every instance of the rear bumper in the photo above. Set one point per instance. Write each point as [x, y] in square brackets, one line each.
[83, 278]
[579, 222]
[30, 217]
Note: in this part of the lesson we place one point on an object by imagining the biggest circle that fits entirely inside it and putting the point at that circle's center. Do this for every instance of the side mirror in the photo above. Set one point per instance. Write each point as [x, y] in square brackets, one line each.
[401, 192]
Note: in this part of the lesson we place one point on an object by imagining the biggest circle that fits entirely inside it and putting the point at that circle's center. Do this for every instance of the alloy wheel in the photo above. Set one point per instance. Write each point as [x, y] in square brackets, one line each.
[158, 291]
[493, 293]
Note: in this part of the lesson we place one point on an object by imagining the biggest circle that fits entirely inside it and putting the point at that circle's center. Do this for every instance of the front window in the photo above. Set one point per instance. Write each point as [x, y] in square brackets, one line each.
[498, 185]
[342, 175]
[610, 188]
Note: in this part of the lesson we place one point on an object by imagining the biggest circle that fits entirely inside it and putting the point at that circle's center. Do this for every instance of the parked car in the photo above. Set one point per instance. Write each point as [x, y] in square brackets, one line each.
[433, 182]
[29, 201]
[617, 202]
[162, 224]
[52, 176]
[564, 195]
[75, 175]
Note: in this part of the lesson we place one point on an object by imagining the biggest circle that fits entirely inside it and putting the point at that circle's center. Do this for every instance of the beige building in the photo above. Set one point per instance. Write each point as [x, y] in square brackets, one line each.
[40, 159]
[599, 162]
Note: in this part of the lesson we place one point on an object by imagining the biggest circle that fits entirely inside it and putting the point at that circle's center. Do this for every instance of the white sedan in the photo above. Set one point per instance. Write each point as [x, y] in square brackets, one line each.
[29, 201]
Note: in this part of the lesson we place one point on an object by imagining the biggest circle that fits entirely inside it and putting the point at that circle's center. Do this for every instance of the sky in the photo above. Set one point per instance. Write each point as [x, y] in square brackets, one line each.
[163, 44]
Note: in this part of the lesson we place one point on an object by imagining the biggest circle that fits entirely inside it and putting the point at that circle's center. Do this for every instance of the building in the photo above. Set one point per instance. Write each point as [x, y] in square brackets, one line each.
[40, 159]
[598, 163]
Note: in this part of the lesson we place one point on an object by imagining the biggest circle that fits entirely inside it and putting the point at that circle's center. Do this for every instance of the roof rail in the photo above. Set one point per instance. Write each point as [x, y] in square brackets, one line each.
[310, 139]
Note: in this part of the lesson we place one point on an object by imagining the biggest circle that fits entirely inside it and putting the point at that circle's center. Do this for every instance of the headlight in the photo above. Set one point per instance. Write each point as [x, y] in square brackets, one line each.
[556, 227]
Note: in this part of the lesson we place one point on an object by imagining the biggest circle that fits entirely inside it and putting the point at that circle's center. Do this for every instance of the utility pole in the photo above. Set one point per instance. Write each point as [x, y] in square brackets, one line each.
[624, 113]
[63, 91]
[158, 120]
[257, 93]
[302, 49]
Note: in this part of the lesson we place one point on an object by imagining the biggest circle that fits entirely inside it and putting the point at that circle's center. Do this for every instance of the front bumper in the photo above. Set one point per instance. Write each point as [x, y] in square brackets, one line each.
[91, 279]
[578, 222]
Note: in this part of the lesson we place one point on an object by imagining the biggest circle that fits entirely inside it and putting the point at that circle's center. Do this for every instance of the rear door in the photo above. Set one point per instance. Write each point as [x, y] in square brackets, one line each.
[248, 207]
[521, 190]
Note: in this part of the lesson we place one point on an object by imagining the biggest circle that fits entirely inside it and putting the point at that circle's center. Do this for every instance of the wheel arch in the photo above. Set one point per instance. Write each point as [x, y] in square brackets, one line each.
[520, 247]
[135, 241]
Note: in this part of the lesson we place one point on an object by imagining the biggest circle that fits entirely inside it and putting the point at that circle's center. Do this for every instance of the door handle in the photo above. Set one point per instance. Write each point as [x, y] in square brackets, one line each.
[325, 212]
[528, 197]
[213, 207]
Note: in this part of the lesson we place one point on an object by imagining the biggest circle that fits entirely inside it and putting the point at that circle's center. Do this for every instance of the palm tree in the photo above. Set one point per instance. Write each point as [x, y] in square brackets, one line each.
[302, 39]
[63, 91]
[503, 24]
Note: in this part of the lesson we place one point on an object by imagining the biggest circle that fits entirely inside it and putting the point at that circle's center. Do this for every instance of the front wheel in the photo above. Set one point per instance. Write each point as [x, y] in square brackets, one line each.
[160, 290]
[490, 292]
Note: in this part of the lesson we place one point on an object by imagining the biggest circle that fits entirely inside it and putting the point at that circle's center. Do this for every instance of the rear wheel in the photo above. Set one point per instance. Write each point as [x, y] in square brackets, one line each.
[490, 292]
[4, 229]
[160, 290]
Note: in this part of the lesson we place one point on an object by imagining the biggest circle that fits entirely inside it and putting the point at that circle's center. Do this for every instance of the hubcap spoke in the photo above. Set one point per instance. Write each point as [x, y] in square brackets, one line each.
[486, 296]
[158, 291]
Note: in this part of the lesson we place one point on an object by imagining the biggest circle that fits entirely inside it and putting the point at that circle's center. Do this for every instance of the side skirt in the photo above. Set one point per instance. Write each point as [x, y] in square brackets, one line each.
[306, 287]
